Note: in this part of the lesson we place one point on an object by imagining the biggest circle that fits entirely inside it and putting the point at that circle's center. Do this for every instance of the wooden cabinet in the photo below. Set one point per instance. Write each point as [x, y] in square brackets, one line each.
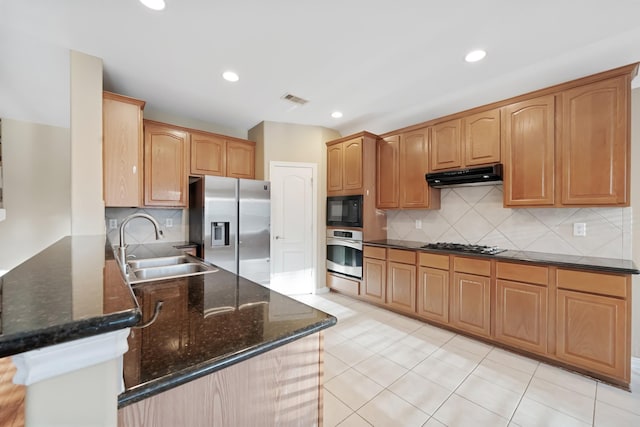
[593, 322]
[344, 167]
[401, 280]
[343, 285]
[595, 143]
[446, 145]
[122, 150]
[433, 287]
[521, 306]
[374, 274]
[218, 155]
[481, 135]
[165, 165]
[402, 162]
[529, 147]
[471, 296]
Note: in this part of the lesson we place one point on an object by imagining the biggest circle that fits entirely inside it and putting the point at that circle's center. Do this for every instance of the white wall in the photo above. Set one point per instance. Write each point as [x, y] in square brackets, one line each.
[36, 163]
[297, 143]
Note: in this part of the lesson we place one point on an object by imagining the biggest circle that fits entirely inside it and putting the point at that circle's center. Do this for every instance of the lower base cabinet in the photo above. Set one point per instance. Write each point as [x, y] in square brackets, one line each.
[401, 286]
[471, 303]
[343, 285]
[433, 294]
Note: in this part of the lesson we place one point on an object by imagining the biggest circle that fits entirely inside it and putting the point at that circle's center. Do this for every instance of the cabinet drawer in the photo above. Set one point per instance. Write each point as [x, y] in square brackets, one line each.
[405, 257]
[522, 273]
[341, 284]
[374, 252]
[595, 283]
[481, 267]
[434, 260]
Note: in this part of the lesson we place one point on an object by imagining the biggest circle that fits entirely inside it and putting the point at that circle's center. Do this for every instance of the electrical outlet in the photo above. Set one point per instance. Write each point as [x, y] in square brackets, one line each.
[580, 229]
[113, 224]
[418, 224]
[168, 222]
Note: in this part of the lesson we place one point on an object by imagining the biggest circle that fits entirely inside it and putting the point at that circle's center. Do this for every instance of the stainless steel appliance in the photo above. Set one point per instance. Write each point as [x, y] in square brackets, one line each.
[483, 175]
[344, 211]
[230, 219]
[344, 252]
[460, 247]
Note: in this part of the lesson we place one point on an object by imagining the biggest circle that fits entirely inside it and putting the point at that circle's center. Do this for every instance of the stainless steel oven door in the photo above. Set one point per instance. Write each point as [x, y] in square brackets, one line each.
[344, 256]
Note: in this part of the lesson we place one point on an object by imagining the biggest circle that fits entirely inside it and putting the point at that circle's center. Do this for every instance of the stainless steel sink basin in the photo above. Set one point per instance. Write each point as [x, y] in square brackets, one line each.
[168, 271]
[148, 269]
[159, 262]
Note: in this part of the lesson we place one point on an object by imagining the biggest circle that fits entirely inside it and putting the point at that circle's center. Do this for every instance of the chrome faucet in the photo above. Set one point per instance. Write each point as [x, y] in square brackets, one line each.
[122, 249]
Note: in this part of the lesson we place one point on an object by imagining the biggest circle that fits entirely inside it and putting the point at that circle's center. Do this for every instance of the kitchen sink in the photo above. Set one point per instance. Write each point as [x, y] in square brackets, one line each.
[159, 262]
[160, 268]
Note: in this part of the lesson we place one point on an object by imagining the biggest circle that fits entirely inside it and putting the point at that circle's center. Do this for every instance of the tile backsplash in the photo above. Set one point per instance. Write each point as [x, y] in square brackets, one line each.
[141, 230]
[476, 215]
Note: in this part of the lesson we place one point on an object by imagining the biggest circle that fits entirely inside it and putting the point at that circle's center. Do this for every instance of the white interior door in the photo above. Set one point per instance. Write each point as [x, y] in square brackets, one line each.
[293, 228]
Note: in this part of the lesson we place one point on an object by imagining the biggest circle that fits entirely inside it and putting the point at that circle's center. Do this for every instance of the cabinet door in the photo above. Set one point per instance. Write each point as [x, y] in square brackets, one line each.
[592, 333]
[122, 151]
[482, 138]
[595, 144]
[433, 294]
[387, 174]
[241, 160]
[521, 315]
[471, 303]
[165, 166]
[414, 164]
[529, 152]
[334, 168]
[374, 278]
[208, 155]
[352, 166]
[401, 286]
[446, 145]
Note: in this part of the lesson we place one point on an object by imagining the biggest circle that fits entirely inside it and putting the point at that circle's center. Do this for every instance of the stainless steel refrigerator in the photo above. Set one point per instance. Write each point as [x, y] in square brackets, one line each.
[230, 219]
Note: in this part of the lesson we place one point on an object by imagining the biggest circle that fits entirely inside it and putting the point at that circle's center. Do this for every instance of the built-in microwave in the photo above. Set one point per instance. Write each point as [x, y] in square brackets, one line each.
[344, 211]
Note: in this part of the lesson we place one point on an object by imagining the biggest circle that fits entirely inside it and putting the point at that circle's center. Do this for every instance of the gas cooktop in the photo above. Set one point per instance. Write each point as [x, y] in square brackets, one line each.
[460, 247]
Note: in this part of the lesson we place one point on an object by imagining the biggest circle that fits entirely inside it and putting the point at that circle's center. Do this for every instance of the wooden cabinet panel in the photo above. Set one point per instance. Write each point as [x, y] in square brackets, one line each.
[595, 143]
[433, 294]
[595, 283]
[208, 155]
[521, 315]
[374, 279]
[334, 168]
[592, 333]
[241, 159]
[414, 164]
[374, 252]
[165, 166]
[401, 286]
[343, 285]
[471, 303]
[387, 173]
[529, 152]
[402, 256]
[352, 165]
[522, 273]
[446, 146]
[434, 260]
[478, 266]
[122, 143]
[482, 138]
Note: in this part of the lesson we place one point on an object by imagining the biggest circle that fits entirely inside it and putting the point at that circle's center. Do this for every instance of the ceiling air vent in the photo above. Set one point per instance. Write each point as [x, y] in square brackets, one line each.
[294, 99]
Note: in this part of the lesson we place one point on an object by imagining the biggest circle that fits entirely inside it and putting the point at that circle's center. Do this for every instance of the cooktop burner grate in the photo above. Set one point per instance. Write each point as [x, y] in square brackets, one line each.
[460, 247]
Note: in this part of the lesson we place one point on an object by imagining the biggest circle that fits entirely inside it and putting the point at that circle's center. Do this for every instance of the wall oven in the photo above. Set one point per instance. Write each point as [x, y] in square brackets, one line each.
[344, 252]
[344, 211]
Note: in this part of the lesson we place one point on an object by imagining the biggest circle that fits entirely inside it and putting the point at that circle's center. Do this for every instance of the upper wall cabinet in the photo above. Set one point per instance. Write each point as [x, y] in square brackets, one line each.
[344, 167]
[165, 165]
[241, 159]
[122, 150]
[446, 145]
[387, 173]
[594, 141]
[213, 154]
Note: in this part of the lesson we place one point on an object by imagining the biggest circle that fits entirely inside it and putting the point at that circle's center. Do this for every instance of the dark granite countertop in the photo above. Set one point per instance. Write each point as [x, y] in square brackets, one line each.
[72, 289]
[605, 265]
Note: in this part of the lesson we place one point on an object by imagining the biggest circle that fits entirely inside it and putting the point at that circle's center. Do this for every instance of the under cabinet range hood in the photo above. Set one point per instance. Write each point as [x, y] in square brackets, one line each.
[484, 175]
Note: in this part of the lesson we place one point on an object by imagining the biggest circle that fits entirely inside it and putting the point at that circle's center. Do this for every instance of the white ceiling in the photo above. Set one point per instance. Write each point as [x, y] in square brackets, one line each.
[384, 64]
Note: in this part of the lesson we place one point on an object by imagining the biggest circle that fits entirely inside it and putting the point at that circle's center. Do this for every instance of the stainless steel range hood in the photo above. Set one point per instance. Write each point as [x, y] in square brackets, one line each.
[484, 175]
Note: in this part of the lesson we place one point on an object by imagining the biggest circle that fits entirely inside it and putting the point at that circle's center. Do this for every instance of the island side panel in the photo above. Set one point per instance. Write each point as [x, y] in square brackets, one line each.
[280, 387]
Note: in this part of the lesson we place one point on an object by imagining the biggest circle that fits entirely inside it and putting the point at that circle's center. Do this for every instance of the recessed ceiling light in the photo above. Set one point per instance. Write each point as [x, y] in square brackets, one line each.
[336, 114]
[154, 4]
[230, 76]
[475, 56]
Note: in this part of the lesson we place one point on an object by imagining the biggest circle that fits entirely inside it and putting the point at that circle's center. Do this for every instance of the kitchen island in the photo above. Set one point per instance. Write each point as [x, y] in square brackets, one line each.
[73, 292]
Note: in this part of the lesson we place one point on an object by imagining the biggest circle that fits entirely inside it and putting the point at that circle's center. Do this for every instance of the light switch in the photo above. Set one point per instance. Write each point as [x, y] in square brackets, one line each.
[113, 224]
[168, 222]
[580, 229]
[418, 224]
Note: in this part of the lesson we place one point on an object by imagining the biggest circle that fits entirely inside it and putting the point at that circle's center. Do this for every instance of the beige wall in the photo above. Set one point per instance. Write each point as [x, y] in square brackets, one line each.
[635, 207]
[286, 142]
[36, 163]
[160, 116]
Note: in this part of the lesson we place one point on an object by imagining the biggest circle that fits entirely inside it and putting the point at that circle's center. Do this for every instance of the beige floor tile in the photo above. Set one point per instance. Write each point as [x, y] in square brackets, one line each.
[389, 410]
[353, 388]
[440, 372]
[436, 335]
[334, 411]
[459, 412]
[564, 400]
[489, 395]
[457, 357]
[513, 360]
[374, 342]
[333, 366]
[433, 423]
[611, 416]
[380, 369]
[404, 355]
[420, 392]
[534, 414]
[619, 398]
[470, 345]
[504, 376]
[349, 352]
[333, 337]
[354, 420]
[574, 382]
